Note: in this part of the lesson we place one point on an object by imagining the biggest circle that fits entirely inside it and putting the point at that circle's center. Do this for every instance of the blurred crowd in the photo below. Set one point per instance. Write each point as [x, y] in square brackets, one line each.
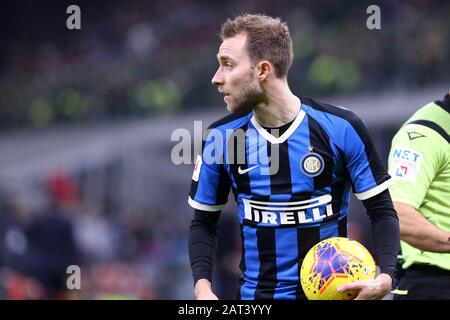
[121, 256]
[156, 57]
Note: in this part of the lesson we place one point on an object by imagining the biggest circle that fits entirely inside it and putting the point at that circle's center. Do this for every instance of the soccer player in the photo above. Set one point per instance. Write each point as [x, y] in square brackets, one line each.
[419, 162]
[290, 174]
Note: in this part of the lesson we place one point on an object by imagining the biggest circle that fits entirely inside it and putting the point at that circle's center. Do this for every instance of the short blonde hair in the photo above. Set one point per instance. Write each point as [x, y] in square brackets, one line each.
[267, 39]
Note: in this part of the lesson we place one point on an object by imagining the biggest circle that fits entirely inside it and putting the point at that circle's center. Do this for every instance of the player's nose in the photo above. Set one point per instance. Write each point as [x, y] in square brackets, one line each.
[217, 79]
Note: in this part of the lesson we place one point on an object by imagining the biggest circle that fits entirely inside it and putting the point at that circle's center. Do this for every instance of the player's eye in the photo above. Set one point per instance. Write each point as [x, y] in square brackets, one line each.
[228, 64]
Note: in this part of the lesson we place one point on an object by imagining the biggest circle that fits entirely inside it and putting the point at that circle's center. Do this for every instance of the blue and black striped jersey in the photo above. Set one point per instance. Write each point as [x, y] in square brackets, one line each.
[292, 189]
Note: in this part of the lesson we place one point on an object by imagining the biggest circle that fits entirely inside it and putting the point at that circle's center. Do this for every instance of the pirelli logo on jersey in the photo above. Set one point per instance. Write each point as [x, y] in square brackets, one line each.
[274, 214]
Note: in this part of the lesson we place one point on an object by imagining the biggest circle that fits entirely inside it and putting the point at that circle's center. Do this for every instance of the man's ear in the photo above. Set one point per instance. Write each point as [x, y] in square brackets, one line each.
[265, 69]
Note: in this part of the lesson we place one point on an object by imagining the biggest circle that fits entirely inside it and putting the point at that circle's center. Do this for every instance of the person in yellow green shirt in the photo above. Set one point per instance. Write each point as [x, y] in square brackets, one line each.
[419, 162]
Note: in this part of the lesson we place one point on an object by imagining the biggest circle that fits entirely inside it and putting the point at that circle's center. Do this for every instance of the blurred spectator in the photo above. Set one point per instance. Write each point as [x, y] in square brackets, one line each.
[18, 287]
[14, 221]
[51, 245]
[94, 234]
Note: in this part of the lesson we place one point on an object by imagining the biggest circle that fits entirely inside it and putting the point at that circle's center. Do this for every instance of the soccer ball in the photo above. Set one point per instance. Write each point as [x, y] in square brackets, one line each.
[332, 263]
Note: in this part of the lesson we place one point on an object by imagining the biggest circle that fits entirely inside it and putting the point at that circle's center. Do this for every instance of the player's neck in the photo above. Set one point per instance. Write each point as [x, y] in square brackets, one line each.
[282, 107]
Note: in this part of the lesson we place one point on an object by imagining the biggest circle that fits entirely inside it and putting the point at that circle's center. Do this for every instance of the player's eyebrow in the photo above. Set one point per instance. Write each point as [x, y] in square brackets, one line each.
[224, 57]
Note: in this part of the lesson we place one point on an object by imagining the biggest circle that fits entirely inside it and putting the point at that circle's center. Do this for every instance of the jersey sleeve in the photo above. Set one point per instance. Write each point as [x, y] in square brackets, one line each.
[210, 181]
[414, 161]
[368, 175]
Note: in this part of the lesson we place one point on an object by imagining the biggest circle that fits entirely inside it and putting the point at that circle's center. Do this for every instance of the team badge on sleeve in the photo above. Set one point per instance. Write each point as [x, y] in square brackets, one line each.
[312, 163]
[198, 165]
[405, 164]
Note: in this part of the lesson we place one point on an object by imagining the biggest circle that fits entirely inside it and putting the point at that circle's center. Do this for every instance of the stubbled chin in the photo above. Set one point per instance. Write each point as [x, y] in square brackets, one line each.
[237, 109]
[231, 108]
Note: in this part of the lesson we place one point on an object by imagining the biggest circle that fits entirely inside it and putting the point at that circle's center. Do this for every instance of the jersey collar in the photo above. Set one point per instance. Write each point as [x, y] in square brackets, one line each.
[274, 140]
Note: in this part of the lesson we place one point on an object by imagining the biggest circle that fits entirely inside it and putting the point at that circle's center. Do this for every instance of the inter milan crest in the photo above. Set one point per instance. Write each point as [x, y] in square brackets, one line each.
[312, 163]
